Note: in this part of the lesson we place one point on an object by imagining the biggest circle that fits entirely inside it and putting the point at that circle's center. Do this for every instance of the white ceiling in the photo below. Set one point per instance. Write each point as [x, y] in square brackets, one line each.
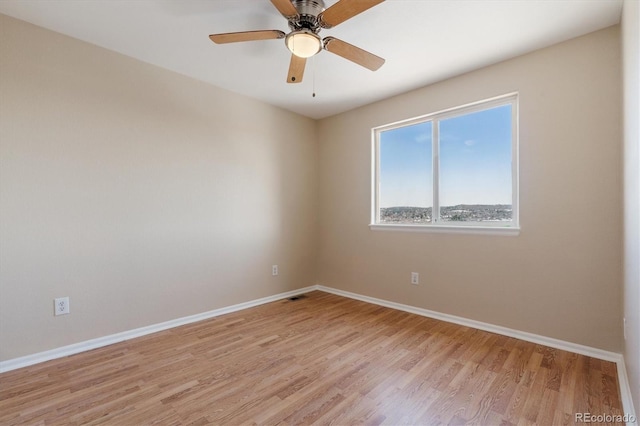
[423, 41]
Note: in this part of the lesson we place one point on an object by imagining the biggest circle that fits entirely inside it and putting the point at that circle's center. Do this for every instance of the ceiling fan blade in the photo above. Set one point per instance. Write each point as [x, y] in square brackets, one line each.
[353, 53]
[343, 10]
[246, 36]
[296, 69]
[285, 7]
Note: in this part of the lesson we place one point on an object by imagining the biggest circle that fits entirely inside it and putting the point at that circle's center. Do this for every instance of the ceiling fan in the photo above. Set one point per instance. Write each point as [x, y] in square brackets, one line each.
[306, 18]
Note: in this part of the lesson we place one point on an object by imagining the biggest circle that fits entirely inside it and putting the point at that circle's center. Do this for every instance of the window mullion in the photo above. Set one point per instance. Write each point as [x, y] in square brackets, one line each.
[515, 161]
[435, 138]
[375, 187]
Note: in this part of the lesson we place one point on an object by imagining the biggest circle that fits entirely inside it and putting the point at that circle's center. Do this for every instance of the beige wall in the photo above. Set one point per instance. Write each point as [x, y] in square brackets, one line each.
[561, 277]
[631, 291]
[143, 195]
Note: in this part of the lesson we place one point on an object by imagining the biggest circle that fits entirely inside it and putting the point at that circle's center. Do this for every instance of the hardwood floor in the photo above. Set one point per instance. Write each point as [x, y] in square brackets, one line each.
[321, 359]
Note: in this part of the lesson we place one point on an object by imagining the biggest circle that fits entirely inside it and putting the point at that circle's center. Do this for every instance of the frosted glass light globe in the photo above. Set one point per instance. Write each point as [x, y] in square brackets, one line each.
[303, 43]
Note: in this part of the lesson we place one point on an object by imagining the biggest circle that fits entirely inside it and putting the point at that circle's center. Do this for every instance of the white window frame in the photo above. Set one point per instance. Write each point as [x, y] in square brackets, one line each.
[493, 228]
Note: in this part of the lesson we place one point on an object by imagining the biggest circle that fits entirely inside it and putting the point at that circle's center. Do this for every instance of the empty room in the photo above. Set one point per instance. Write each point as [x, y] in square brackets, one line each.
[398, 212]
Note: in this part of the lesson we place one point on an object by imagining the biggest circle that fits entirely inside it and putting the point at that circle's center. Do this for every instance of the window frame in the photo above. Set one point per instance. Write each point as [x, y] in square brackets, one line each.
[496, 228]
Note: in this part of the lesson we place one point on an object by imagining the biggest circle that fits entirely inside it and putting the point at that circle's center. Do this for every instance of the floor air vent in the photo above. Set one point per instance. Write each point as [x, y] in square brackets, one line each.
[298, 297]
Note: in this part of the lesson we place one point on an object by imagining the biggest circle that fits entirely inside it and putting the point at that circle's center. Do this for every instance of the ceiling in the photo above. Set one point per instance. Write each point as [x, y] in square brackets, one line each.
[423, 41]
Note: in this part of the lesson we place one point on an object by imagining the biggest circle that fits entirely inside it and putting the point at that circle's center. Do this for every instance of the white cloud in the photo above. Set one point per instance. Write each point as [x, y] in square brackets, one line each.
[470, 142]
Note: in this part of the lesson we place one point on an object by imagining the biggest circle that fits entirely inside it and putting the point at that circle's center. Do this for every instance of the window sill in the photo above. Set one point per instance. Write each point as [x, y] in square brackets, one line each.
[445, 229]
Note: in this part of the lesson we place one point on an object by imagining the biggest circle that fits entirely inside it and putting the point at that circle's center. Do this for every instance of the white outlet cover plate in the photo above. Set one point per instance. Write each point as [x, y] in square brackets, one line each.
[61, 305]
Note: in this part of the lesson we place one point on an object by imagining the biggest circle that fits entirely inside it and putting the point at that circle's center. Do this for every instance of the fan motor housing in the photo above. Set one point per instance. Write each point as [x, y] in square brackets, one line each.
[309, 7]
[308, 11]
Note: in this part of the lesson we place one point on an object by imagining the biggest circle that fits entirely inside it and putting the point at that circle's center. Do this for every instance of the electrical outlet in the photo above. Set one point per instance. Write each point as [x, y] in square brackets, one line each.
[274, 270]
[61, 306]
[624, 328]
[415, 278]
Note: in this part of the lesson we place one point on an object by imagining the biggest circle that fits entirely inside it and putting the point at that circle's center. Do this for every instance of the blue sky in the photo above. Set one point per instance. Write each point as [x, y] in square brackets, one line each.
[475, 161]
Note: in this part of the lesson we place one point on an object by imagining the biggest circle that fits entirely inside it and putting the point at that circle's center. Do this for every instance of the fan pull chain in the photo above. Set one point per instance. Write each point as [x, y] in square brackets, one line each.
[313, 71]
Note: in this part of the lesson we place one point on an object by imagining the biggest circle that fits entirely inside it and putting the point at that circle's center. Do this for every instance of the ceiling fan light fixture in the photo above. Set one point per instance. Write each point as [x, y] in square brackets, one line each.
[303, 43]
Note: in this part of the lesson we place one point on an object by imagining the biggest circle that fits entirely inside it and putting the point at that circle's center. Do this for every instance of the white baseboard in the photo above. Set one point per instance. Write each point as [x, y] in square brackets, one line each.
[625, 390]
[522, 335]
[75, 348]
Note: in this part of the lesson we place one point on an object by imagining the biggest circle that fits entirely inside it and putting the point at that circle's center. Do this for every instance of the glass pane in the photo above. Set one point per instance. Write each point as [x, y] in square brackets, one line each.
[475, 167]
[406, 177]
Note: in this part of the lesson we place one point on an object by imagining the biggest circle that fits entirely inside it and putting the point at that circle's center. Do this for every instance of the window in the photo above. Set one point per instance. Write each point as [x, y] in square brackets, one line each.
[454, 170]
